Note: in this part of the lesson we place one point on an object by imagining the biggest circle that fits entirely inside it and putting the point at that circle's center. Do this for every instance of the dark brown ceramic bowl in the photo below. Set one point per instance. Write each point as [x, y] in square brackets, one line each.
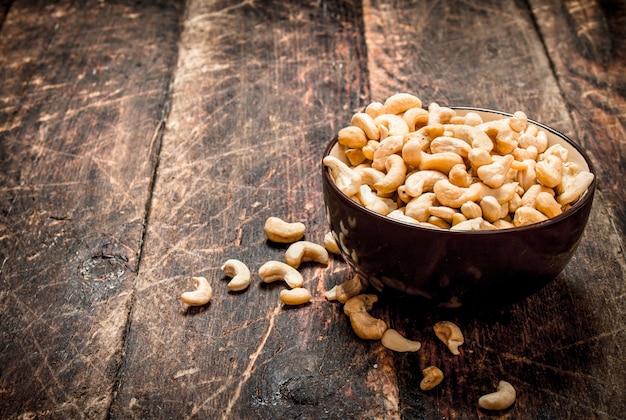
[455, 268]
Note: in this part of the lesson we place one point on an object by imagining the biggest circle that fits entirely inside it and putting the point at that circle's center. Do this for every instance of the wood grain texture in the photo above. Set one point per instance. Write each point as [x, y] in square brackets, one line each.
[588, 51]
[84, 88]
[110, 203]
[259, 90]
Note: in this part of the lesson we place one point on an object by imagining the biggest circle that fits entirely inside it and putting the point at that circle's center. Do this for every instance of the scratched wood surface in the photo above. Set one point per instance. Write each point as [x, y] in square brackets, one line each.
[81, 111]
[142, 144]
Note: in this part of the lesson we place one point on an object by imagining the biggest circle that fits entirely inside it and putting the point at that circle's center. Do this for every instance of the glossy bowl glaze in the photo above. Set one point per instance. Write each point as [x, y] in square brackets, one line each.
[456, 268]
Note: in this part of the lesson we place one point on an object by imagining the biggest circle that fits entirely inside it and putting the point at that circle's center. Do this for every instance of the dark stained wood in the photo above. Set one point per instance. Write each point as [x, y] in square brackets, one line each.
[259, 90]
[586, 41]
[83, 96]
[133, 157]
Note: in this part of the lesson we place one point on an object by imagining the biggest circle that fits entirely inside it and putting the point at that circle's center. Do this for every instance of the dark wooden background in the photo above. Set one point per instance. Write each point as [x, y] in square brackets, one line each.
[146, 142]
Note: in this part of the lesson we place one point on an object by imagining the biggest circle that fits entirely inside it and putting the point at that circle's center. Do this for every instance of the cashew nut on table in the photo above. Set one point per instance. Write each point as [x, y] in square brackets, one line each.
[503, 398]
[201, 295]
[450, 334]
[239, 273]
[278, 230]
[364, 325]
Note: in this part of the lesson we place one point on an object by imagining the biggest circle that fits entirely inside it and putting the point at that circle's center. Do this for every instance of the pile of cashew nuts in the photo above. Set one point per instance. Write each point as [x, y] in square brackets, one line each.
[435, 168]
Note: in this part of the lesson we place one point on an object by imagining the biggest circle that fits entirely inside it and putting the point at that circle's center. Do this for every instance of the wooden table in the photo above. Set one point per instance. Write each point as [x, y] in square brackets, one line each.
[144, 143]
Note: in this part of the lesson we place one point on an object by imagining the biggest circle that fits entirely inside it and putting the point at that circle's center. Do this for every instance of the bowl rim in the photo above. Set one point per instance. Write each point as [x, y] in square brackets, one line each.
[576, 207]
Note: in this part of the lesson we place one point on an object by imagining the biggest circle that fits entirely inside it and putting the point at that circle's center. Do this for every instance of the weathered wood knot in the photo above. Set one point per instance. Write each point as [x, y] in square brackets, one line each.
[104, 267]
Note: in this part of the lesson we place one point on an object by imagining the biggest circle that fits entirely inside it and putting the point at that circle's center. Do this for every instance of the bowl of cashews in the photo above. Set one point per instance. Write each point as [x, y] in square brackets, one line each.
[457, 205]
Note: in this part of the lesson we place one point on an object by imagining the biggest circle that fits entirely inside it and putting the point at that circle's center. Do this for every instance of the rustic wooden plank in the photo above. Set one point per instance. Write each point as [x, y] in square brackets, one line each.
[259, 90]
[555, 345]
[585, 40]
[84, 90]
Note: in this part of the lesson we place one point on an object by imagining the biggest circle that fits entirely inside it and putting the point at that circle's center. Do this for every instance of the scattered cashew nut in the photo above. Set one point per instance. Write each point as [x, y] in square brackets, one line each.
[450, 334]
[201, 295]
[364, 325]
[502, 399]
[432, 377]
[304, 251]
[395, 341]
[278, 230]
[273, 271]
[239, 272]
[346, 290]
[295, 296]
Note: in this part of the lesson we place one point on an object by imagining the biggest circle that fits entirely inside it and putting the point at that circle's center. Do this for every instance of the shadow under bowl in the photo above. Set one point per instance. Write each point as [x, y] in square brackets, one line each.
[457, 268]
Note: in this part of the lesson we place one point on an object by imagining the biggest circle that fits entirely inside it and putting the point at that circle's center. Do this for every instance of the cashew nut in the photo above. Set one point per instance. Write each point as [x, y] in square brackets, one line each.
[527, 215]
[346, 179]
[438, 222]
[418, 207]
[352, 136]
[500, 130]
[373, 202]
[330, 243]
[346, 290]
[502, 399]
[539, 141]
[477, 223]
[527, 176]
[395, 341]
[415, 117]
[459, 176]
[239, 273]
[442, 212]
[439, 114]
[375, 109]
[474, 136]
[400, 102]
[450, 334]
[419, 182]
[388, 146]
[366, 123]
[201, 295]
[369, 175]
[398, 214]
[494, 174]
[295, 296]
[450, 195]
[471, 210]
[396, 173]
[272, 271]
[369, 149]
[393, 124]
[478, 157]
[574, 183]
[432, 377]
[364, 325]
[550, 171]
[548, 205]
[355, 156]
[530, 196]
[278, 230]
[450, 144]
[441, 162]
[304, 251]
